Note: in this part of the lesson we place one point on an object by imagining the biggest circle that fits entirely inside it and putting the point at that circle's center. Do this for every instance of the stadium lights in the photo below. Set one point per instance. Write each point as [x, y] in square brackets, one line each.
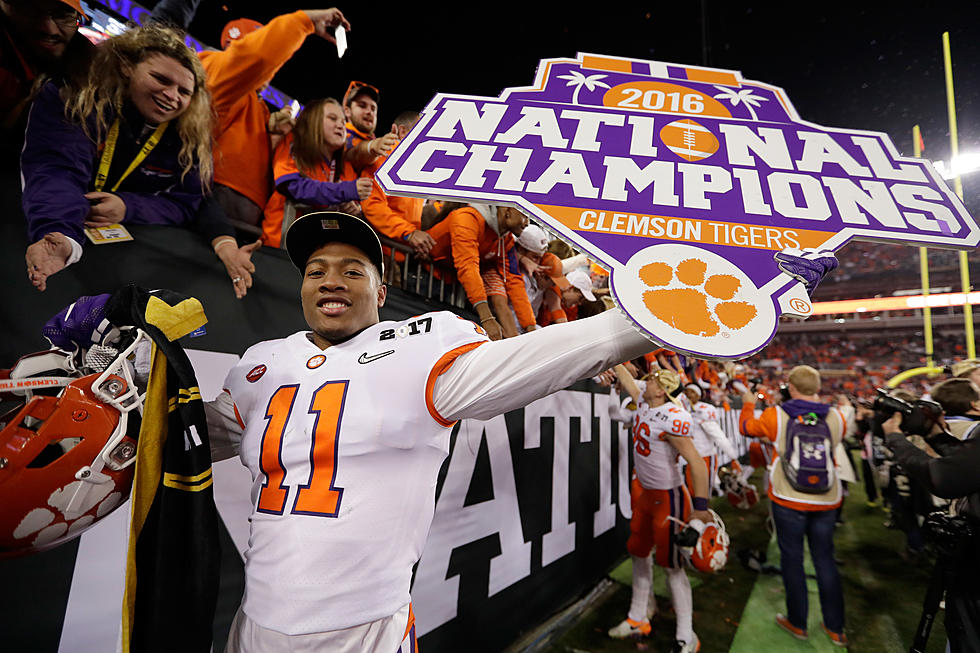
[963, 164]
[875, 304]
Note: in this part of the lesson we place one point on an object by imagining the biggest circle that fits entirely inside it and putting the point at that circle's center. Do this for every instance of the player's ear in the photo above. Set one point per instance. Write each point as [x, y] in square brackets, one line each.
[382, 294]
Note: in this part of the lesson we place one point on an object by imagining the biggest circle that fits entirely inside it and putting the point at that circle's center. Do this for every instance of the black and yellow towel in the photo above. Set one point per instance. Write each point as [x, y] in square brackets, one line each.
[172, 566]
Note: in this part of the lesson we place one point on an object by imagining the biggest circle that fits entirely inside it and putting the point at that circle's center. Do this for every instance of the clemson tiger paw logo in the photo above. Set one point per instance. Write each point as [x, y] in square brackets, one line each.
[700, 304]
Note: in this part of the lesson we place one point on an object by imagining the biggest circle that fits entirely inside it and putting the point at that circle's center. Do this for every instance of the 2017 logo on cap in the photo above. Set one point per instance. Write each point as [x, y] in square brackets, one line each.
[329, 224]
[255, 373]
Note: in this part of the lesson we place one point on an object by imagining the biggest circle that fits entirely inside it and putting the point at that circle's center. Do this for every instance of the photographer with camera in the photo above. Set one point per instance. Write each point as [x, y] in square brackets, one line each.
[948, 468]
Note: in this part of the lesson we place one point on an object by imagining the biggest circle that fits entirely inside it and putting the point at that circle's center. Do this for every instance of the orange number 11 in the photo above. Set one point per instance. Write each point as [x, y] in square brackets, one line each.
[319, 497]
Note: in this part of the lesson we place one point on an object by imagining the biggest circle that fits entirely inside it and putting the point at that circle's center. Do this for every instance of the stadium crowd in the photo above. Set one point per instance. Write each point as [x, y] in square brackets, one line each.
[142, 130]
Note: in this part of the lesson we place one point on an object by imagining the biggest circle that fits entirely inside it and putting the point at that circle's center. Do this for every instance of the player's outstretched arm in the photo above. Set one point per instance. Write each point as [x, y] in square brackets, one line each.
[508, 374]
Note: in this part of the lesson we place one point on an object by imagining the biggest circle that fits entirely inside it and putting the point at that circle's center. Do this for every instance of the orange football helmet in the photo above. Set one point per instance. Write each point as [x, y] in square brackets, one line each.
[705, 545]
[66, 452]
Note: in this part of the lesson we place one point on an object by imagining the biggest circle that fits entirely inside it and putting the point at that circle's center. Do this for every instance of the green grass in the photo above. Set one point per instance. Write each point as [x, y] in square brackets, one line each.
[882, 594]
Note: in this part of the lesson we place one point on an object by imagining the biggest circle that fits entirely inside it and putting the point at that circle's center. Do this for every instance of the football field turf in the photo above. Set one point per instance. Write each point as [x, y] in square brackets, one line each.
[734, 609]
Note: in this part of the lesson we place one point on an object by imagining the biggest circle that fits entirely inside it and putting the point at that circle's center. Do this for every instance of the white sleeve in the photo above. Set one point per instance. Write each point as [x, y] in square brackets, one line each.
[618, 410]
[224, 430]
[503, 375]
[717, 436]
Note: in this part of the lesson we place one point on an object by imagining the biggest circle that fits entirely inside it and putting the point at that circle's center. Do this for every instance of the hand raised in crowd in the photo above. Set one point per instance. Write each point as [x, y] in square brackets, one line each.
[530, 265]
[238, 262]
[384, 144]
[106, 209]
[421, 242]
[281, 122]
[364, 186]
[47, 256]
[325, 20]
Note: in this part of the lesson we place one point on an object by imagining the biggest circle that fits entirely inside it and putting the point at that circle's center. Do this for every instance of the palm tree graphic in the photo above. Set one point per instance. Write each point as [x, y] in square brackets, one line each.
[578, 80]
[744, 96]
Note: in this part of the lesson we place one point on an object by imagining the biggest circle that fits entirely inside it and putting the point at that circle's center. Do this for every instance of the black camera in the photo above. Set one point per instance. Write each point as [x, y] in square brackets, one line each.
[918, 417]
[952, 536]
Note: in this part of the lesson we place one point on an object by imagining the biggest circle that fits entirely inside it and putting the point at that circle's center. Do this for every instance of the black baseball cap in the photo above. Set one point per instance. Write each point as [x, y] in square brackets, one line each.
[314, 230]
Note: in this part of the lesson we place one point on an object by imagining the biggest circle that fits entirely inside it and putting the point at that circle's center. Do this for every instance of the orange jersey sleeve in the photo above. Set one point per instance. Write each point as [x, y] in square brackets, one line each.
[764, 427]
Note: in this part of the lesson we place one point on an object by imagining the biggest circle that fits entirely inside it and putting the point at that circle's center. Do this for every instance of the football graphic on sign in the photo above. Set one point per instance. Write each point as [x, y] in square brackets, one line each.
[689, 140]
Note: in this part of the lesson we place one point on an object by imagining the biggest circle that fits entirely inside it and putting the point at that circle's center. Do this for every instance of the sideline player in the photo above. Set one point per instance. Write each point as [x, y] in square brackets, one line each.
[708, 436]
[662, 430]
[344, 428]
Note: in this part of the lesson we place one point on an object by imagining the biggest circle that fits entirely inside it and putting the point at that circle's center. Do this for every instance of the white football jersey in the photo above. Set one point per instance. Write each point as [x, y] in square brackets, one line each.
[703, 412]
[655, 460]
[344, 449]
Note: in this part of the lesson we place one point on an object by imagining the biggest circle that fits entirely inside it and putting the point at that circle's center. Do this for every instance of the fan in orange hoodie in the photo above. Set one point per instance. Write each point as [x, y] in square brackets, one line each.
[478, 242]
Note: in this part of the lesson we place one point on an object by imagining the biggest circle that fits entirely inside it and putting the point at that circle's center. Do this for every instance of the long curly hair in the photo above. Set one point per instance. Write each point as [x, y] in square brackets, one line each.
[104, 90]
[308, 138]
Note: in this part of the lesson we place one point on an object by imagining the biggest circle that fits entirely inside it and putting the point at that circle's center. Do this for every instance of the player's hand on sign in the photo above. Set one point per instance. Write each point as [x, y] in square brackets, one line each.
[325, 20]
[364, 186]
[47, 256]
[238, 263]
[106, 209]
[808, 266]
[384, 144]
[421, 242]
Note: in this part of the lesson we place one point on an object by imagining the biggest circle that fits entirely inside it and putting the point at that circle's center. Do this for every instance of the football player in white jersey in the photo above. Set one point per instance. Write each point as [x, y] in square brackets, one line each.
[344, 428]
[708, 436]
[662, 431]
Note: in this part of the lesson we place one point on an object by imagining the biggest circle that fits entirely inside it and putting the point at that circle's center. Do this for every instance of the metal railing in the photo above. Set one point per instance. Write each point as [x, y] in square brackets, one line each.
[416, 276]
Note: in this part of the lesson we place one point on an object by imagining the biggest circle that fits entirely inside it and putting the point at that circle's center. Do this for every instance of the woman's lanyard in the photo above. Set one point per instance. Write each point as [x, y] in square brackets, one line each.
[110, 148]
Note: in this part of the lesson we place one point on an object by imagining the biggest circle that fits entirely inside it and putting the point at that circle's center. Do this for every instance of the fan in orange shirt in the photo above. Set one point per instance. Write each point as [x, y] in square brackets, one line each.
[398, 218]
[251, 57]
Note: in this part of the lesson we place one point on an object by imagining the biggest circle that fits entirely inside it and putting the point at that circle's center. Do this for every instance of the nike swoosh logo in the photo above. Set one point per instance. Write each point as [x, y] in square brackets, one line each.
[364, 359]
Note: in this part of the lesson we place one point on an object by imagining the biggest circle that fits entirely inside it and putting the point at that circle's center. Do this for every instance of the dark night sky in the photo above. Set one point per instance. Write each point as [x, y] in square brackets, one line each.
[851, 65]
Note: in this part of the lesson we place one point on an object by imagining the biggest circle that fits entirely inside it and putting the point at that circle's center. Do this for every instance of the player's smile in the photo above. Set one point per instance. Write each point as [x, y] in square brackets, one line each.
[332, 304]
[341, 293]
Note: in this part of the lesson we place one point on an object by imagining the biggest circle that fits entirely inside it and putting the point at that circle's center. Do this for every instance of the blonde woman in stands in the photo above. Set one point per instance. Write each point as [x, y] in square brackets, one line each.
[129, 144]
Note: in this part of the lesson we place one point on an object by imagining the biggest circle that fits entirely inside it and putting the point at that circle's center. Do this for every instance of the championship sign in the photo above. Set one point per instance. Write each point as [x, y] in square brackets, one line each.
[683, 182]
